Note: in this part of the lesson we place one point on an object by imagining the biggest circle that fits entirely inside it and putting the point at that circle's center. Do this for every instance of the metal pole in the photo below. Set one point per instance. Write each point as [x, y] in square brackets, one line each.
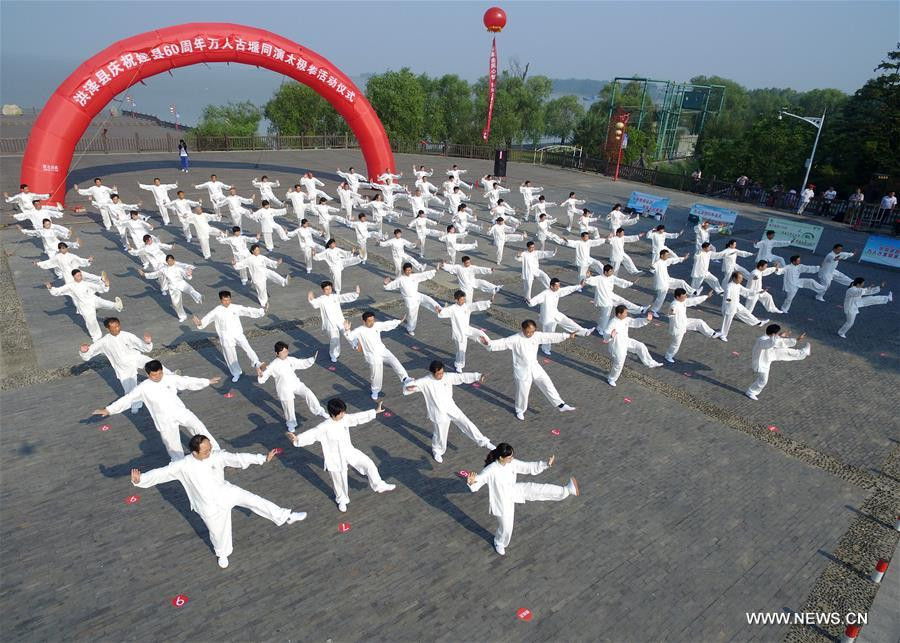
[619, 158]
[813, 154]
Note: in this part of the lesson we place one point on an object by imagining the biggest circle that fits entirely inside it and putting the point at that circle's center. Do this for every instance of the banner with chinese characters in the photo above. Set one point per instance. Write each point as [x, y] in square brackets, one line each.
[883, 250]
[492, 88]
[649, 205]
[801, 235]
[722, 219]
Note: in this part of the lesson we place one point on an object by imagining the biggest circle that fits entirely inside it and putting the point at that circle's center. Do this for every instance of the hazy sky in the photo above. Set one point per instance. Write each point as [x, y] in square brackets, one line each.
[803, 45]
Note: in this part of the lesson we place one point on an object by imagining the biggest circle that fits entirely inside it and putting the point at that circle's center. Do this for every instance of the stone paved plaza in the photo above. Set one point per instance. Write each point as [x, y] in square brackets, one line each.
[692, 514]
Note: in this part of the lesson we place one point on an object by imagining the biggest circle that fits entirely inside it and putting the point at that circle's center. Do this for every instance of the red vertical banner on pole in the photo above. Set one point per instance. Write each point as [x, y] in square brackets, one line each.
[492, 89]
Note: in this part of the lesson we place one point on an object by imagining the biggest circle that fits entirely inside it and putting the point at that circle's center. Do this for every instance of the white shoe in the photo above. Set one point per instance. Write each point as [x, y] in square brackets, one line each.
[385, 487]
[752, 397]
[296, 516]
[374, 396]
[287, 280]
[565, 408]
[890, 296]
[520, 416]
[842, 336]
[181, 318]
[723, 338]
[587, 331]
[547, 353]
[670, 360]
[119, 304]
[135, 409]
[500, 550]
[459, 369]
[291, 428]
[342, 506]
[223, 561]
[243, 282]
[655, 365]
[409, 380]
[438, 458]
[573, 487]
[411, 333]
[235, 378]
[610, 382]
[763, 322]
[334, 360]
[820, 298]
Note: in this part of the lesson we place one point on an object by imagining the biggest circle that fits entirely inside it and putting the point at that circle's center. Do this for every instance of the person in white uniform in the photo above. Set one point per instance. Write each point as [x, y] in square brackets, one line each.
[266, 190]
[202, 474]
[701, 235]
[551, 316]
[618, 219]
[25, 198]
[730, 256]
[267, 224]
[234, 203]
[227, 320]
[859, 296]
[465, 276]
[617, 254]
[354, 179]
[493, 194]
[349, 199]
[160, 192]
[100, 195]
[504, 492]
[37, 213]
[732, 307]
[200, 220]
[261, 270]
[774, 346]
[420, 224]
[125, 352]
[287, 385]
[408, 285]
[573, 209]
[64, 262]
[453, 243]
[680, 323]
[329, 306]
[531, 267]
[502, 233]
[758, 292]
[583, 259]
[337, 259]
[662, 282]
[828, 271]
[767, 244]
[306, 237]
[616, 335]
[437, 389]
[700, 273]
[399, 246]
[338, 451]
[793, 281]
[175, 276]
[50, 235]
[182, 208]
[159, 392]
[605, 298]
[312, 185]
[528, 193]
[240, 247]
[544, 232]
[216, 190]
[84, 296]
[364, 230]
[367, 340]
[658, 238]
[526, 370]
[460, 314]
[297, 198]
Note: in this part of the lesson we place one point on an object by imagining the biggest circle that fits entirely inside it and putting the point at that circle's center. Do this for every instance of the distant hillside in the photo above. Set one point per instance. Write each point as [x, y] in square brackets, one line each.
[578, 86]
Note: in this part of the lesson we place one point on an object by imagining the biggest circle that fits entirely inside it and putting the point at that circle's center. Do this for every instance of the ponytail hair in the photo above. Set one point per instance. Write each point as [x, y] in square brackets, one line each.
[502, 450]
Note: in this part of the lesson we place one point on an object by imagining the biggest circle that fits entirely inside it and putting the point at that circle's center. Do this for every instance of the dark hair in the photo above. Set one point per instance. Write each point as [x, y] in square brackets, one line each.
[195, 442]
[555, 280]
[61, 245]
[837, 245]
[620, 230]
[280, 346]
[146, 237]
[528, 323]
[330, 242]
[435, 366]
[224, 293]
[22, 186]
[859, 281]
[761, 263]
[679, 292]
[109, 320]
[529, 244]
[264, 202]
[405, 266]
[114, 195]
[458, 293]
[660, 227]
[768, 232]
[502, 450]
[75, 271]
[571, 194]
[235, 228]
[608, 268]
[172, 257]
[449, 227]
[705, 244]
[794, 258]
[585, 234]
[663, 252]
[255, 246]
[360, 215]
[367, 315]
[771, 329]
[97, 178]
[153, 366]
[398, 230]
[731, 242]
[620, 309]
[335, 406]
[466, 258]
[326, 283]
[617, 205]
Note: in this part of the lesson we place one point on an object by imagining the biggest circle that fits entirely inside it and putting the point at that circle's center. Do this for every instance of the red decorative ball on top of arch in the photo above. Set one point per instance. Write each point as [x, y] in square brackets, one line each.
[495, 19]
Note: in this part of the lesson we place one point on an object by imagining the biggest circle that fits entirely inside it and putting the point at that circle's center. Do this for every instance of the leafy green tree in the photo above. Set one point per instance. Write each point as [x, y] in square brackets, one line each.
[399, 100]
[562, 115]
[233, 119]
[449, 109]
[296, 109]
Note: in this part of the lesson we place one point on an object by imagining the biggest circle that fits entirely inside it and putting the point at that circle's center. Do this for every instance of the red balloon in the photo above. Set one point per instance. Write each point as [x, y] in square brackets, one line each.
[101, 78]
[495, 19]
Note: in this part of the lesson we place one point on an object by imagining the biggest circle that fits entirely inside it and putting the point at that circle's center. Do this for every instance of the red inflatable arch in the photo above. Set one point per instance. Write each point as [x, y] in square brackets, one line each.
[98, 80]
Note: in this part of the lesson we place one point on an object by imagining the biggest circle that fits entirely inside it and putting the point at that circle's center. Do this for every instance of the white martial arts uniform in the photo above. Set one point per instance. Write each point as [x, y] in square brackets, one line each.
[267, 225]
[364, 231]
[182, 209]
[288, 385]
[493, 194]
[65, 262]
[768, 349]
[620, 344]
[701, 236]
[525, 365]
[504, 493]
[354, 179]
[167, 410]
[337, 259]
[213, 497]
[227, 320]
[528, 197]
[327, 214]
[755, 286]
[50, 238]
[200, 221]
[398, 246]
[573, 209]
[298, 201]
[312, 185]
[544, 233]
[37, 215]
[663, 283]
[235, 203]
[730, 265]
[329, 307]
[461, 330]
[84, 296]
[732, 307]
[308, 245]
[828, 271]
[216, 190]
[857, 298]
[700, 273]
[125, 353]
[261, 270]
[452, 239]
[120, 214]
[339, 453]
[531, 269]
[618, 219]
[605, 299]
[375, 352]
[583, 258]
[176, 278]
[420, 225]
[617, 254]
[764, 249]
[680, 323]
[349, 199]
[25, 200]
[793, 282]
[161, 197]
[454, 176]
[465, 220]
[408, 285]
[100, 195]
[240, 249]
[266, 191]
[551, 316]
[442, 410]
[658, 243]
[468, 282]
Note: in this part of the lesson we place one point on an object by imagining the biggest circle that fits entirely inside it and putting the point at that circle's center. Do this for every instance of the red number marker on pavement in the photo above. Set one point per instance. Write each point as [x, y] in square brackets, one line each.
[180, 600]
[546, 361]
[131, 500]
[229, 395]
[554, 431]
[105, 427]
[772, 428]
[332, 368]
[686, 374]
[627, 400]
[388, 414]
[415, 348]
[343, 527]
[524, 614]
[476, 384]
[735, 354]
[463, 474]
[278, 450]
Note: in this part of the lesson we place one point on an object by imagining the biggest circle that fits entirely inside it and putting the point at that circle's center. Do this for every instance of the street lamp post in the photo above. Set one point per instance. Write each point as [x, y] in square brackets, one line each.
[818, 123]
[621, 137]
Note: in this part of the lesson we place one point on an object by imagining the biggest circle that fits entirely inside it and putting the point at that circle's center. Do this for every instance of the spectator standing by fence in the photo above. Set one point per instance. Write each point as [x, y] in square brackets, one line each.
[885, 209]
[805, 197]
[183, 155]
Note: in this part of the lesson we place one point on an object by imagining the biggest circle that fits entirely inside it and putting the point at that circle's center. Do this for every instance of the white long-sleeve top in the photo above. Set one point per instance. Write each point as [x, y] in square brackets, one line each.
[282, 370]
[765, 348]
[311, 184]
[421, 174]
[235, 204]
[37, 215]
[618, 343]
[540, 207]
[732, 297]
[528, 193]
[65, 262]
[82, 294]
[830, 263]
[524, 350]
[333, 257]
[373, 347]
[266, 217]
[50, 237]
[379, 209]
[297, 199]
[25, 200]
[329, 307]
[618, 219]
[203, 480]
[854, 296]
[349, 198]
[161, 398]
[572, 206]
[438, 393]
[459, 317]
[420, 225]
[363, 230]
[765, 247]
[182, 207]
[678, 313]
[603, 288]
[240, 244]
[138, 227]
[499, 231]
[793, 273]
[408, 285]
[154, 253]
[531, 261]
[215, 189]
[755, 284]
[661, 276]
[176, 275]
[398, 247]
[120, 212]
[583, 249]
[702, 259]
[326, 213]
[334, 436]
[658, 241]
[452, 239]
[466, 275]
[353, 179]
[265, 188]
[124, 351]
[730, 257]
[455, 175]
[503, 493]
[227, 320]
[100, 194]
[617, 245]
[305, 236]
[549, 301]
[160, 192]
[701, 235]
[504, 210]
[543, 229]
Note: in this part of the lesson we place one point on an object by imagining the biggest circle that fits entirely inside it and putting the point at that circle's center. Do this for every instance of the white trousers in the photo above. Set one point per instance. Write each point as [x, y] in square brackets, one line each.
[163, 212]
[364, 466]
[528, 491]
[267, 236]
[626, 261]
[405, 258]
[741, 313]
[376, 369]
[811, 284]
[706, 278]
[441, 427]
[662, 293]
[605, 313]
[337, 272]
[219, 523]
[471, 333]
[618, 360]
[460, 247]
[781, 355]
[567, 325]
[528, 282]
[837, 276]
[177, 295]
[229, 351]
[523, 387]
[287, 403]
[502, 244]
[412, 309]
[692, 324]
[870, 300]
[89, 316]
[171, 436]
[764, 298]
[262, 291]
